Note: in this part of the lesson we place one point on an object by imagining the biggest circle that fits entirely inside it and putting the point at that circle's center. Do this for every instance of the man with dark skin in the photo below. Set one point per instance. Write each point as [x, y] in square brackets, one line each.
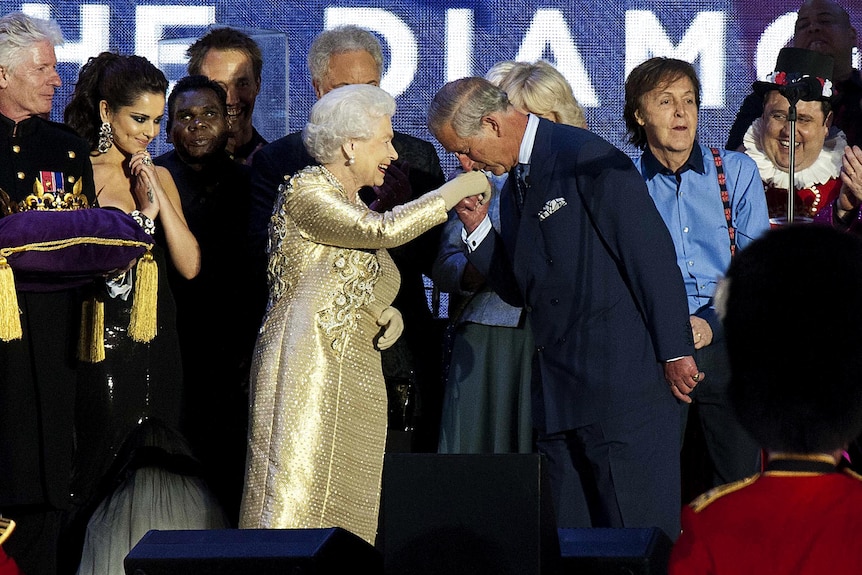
[233, 60]
[213, 319]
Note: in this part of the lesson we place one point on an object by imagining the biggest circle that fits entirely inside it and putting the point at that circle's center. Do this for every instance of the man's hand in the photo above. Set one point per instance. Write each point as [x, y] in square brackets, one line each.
[700, 331]
[471, 211]
[683, 376]
[395, 189]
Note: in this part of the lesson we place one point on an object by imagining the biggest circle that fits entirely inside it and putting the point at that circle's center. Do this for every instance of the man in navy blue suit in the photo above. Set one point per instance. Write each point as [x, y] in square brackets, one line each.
[583, 249]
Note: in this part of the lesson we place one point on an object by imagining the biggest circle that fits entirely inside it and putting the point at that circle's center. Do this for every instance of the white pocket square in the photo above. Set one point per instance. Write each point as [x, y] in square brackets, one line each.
[550, 207]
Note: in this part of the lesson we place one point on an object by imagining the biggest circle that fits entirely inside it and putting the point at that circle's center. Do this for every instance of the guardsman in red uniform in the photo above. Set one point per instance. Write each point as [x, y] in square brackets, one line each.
[803, 513]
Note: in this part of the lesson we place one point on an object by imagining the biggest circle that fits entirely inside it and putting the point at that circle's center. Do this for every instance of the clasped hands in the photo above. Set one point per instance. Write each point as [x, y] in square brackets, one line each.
[682, 374]
[467, 189]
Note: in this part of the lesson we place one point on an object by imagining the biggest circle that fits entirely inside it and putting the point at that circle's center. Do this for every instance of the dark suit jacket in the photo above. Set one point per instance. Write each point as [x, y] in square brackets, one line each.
[598, 276]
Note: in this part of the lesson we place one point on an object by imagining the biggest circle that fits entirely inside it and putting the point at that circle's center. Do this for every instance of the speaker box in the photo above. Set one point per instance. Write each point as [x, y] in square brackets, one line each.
[630, 551]
[470, 514]
[253, 552]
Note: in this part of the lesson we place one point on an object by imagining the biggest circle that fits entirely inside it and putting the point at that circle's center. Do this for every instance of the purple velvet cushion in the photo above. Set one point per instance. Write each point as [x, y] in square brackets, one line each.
[39, 269]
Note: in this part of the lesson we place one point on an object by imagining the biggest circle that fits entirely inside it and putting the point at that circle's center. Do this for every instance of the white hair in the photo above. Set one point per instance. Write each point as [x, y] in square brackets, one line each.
[346, 113]
[19, 32]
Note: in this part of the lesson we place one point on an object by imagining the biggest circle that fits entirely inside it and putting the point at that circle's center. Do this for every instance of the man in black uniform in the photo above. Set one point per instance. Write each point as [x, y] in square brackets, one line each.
[37, 379]
[352, 55]
[216, 328]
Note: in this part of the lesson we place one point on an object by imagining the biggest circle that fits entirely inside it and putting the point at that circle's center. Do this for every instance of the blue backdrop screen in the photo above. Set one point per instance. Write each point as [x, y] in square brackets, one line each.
[595, 43]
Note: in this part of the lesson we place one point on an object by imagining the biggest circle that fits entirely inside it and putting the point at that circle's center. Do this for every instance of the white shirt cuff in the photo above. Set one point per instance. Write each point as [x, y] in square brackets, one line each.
[480, 233]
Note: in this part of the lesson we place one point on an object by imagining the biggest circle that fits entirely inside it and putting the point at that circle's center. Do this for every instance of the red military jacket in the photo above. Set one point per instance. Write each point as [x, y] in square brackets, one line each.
[800, 516]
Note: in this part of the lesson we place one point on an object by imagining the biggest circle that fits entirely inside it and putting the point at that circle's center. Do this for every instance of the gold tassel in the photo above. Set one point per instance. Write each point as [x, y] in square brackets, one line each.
[91, 343]
[142, 326]
[10, 319]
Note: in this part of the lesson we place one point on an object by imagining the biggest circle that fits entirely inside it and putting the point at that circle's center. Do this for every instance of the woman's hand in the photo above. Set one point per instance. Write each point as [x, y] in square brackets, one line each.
[466, 185]
[393, 324]
[146, 187]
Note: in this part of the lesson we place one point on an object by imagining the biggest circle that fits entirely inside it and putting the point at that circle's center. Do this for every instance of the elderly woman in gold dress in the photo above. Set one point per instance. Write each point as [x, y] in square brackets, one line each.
[318, 398]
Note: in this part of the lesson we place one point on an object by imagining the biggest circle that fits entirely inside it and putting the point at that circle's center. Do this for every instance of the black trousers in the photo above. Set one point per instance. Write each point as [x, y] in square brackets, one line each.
[731, 453]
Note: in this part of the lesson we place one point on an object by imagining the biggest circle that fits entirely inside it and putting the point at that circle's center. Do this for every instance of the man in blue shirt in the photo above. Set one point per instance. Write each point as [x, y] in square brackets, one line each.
[712, 203]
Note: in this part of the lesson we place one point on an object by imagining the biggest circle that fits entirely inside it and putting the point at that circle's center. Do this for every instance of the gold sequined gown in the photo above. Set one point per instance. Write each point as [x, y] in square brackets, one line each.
[318, 398]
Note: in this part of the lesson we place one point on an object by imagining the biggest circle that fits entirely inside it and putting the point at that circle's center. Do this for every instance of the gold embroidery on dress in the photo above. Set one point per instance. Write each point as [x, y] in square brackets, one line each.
[359, 272]
[277, 264]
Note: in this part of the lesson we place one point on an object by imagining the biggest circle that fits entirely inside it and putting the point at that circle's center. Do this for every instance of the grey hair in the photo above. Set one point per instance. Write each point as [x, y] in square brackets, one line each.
[339, 40]
[341, 115]
[463, 103]
[19, 32]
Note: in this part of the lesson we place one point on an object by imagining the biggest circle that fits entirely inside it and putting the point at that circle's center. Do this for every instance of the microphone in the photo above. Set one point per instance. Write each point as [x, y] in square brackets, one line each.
[806, 89]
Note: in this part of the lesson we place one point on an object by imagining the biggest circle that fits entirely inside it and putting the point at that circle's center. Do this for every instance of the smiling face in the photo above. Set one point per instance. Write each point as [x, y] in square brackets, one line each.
[811, 129]
[373, 156]
[234, 71]
[346, 68]
[199, 126]
[137, 125]
[823, 26]
[28, 88]
[668, 114]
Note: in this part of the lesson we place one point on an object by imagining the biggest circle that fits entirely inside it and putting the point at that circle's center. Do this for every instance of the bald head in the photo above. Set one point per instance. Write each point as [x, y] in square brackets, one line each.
[824, 26]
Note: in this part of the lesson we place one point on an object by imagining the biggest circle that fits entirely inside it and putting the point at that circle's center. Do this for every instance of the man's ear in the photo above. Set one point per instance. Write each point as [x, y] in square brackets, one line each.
[490, 122]
[638, 118]
[316, 86]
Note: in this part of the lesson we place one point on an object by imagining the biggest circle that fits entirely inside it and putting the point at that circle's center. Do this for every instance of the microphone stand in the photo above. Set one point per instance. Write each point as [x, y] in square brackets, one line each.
[791, 189]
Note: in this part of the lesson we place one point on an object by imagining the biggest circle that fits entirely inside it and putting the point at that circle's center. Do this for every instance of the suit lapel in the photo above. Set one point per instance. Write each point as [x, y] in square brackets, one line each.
[529, 243]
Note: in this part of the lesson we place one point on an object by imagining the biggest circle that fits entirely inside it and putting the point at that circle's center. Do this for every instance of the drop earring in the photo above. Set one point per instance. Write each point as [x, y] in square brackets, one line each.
[351, 160]
[106, 138]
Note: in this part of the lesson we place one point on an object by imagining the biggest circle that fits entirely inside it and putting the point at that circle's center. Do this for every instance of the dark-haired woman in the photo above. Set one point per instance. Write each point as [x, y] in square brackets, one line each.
[133, 471]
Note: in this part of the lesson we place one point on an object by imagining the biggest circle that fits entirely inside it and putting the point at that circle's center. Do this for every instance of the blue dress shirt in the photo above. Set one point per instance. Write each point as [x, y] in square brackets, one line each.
[690, 204]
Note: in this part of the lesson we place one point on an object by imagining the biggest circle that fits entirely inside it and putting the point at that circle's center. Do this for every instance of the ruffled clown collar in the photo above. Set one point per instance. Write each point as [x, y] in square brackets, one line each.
[825, 167]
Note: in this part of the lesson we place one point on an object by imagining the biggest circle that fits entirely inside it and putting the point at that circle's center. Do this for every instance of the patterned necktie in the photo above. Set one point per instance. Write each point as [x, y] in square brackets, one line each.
[521, 185]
